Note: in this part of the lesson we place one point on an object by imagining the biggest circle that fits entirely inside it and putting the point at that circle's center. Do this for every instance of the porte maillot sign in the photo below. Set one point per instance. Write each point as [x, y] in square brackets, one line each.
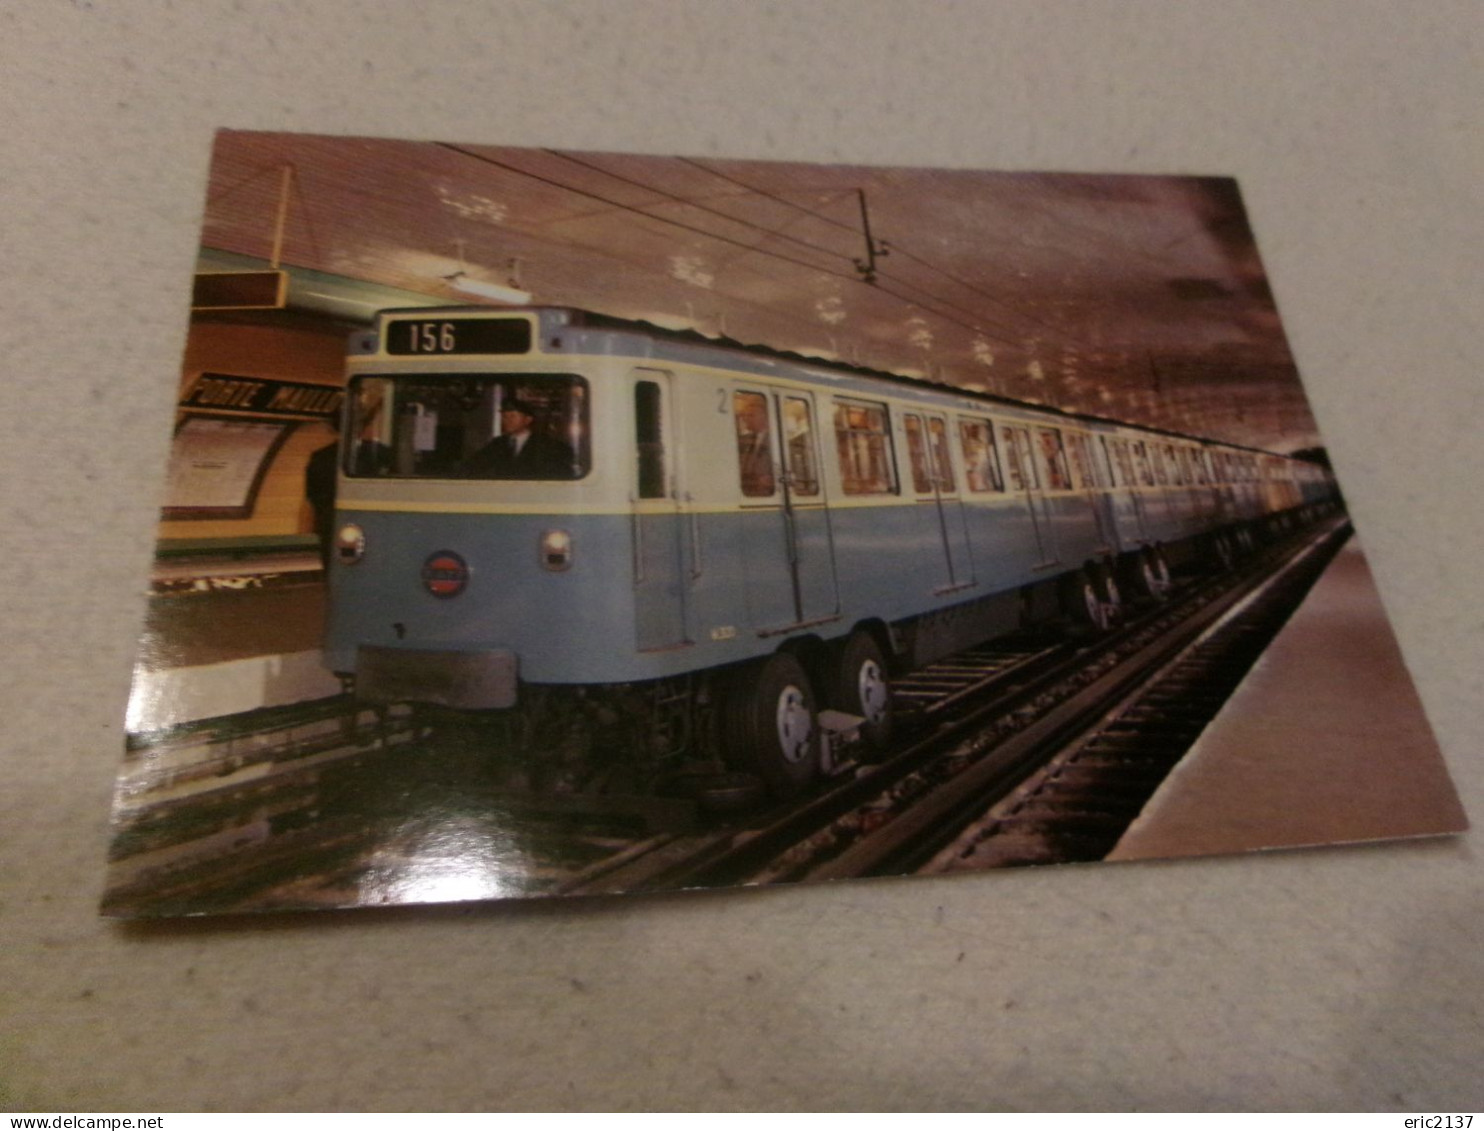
[223, 392]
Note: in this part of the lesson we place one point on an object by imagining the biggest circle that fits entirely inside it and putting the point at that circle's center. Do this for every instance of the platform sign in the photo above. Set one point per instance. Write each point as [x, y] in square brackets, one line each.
[261, 396]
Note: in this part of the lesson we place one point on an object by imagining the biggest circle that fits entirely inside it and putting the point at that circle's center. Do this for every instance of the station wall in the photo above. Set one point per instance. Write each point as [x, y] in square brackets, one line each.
[261, 352]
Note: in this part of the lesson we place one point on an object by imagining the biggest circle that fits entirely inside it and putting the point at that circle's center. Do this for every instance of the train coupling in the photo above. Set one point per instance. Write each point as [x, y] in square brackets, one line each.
[839, 735]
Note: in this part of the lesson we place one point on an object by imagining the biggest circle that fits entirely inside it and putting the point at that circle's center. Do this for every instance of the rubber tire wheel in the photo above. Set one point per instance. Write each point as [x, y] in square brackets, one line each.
[754, 736]
[1140, 577]
[1159, 569]
[1107, 581]
[1081, 600]
[860, 652]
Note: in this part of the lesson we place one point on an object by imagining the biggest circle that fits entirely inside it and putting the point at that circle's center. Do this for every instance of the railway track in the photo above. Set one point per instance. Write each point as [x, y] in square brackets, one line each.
[896, 818]
[1019, 752]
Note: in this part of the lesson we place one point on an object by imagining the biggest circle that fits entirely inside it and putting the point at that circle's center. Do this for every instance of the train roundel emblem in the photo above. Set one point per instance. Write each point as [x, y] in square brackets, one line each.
[445, 574]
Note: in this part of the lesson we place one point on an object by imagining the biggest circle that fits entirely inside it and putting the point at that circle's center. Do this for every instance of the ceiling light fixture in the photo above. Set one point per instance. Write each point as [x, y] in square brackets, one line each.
[510, 292]
[460, 282]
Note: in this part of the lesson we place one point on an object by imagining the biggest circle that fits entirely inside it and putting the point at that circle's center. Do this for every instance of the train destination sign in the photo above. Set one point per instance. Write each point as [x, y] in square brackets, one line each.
[443, 336]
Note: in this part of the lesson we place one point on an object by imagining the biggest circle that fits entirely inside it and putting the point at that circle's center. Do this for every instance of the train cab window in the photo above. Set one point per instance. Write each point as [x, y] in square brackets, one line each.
[1053, 459]
[468, 426]
[981, 459]
[754, 444]
[863, 445]
[798, 440]
[649, 439]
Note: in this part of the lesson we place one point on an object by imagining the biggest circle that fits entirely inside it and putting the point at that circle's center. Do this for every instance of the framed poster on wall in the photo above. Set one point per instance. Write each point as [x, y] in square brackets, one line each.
[217, 464]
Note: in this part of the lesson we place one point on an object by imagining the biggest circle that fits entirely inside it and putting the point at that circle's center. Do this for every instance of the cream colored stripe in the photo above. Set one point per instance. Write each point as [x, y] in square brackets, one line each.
[396, 506]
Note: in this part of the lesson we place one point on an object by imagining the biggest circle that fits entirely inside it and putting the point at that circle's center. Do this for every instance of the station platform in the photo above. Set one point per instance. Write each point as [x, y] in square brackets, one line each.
[210, 653]
[1324, 742]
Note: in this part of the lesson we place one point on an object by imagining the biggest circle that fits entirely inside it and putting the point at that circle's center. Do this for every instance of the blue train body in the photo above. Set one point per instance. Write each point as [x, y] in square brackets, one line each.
[688, 508]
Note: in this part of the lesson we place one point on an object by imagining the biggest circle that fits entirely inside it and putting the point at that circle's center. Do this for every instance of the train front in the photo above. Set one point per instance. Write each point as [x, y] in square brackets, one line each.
[474, 546]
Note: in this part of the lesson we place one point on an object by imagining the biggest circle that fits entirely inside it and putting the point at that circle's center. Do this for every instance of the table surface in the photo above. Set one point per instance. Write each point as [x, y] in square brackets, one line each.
[1329, 978]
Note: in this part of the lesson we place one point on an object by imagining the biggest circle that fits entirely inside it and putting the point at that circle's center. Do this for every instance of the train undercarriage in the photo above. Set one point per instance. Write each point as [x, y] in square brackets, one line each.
[732, 736]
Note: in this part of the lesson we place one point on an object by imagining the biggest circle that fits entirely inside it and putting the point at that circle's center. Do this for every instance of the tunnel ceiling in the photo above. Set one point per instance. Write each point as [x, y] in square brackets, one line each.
[1139, 298]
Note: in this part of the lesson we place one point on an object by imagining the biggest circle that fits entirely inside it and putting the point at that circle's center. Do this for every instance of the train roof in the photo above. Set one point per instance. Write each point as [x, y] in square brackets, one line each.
[587, 319]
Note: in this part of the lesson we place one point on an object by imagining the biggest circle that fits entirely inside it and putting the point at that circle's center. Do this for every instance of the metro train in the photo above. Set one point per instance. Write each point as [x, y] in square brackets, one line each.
[684, 552]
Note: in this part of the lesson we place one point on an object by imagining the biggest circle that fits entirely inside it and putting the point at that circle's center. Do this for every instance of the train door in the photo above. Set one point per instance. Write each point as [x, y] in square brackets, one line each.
[1129, 520]
[659, 578]
[1085, 474]
[933, 481]
[788, 545]
[1155, 504]
[1020, 468]
[805, 511]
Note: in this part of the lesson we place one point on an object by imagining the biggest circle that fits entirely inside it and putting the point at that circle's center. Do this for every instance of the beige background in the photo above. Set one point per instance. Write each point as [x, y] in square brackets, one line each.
[1347, 977]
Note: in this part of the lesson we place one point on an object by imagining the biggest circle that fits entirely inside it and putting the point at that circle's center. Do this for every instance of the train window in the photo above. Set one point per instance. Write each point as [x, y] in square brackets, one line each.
[1122, 463]
[754, 444]
[1181, 466]
[649, 439]
[917, 453]
[1141, 463]
[942, 460]
[1014, 472]
[469, 426]
[1053, 459]
[798, 438]
[981, 460]
[927, 448]
[1157, 463]
[1084, 474]
[863, 445]
[1108, 446]
[1020, 468]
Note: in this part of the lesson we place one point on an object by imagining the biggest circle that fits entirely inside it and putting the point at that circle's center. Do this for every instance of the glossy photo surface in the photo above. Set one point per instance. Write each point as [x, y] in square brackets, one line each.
[545, 523]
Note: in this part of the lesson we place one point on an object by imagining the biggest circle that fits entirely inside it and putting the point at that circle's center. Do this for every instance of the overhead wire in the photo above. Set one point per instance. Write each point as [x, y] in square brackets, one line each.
[935, 305]
[895, 246]
[611, 202]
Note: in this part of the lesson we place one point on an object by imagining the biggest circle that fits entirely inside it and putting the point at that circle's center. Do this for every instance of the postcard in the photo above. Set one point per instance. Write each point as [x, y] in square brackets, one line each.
[549, 523]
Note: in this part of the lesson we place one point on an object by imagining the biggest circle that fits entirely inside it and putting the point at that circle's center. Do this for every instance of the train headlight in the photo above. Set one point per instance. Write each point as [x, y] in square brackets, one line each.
[350, 543]
[556, 550]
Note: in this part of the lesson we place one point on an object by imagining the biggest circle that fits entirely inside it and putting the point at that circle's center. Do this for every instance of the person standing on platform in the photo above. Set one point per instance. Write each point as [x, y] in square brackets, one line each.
[319, 489]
